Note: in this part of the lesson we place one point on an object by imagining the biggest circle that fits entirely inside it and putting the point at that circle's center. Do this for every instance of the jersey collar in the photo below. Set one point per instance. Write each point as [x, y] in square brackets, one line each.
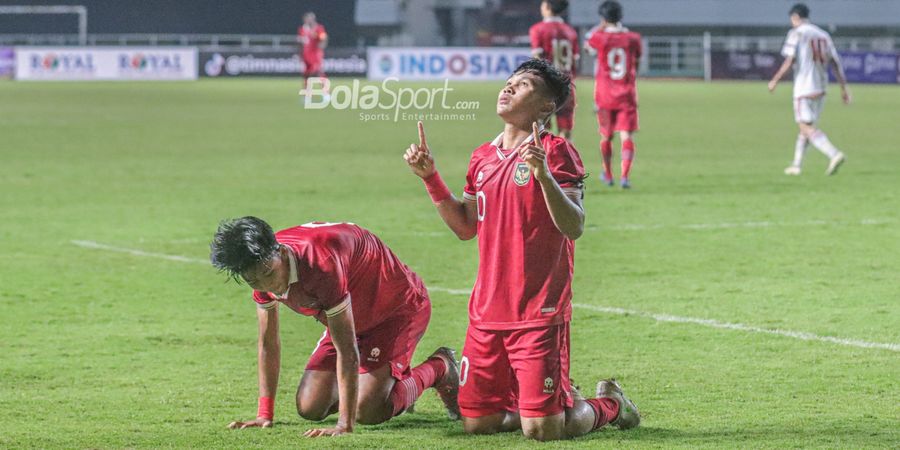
[556, 19]
[293, 278]
[496, 143]
[617, 28]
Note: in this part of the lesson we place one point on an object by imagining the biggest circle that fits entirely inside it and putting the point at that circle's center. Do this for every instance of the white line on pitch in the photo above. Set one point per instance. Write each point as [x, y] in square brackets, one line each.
[728, 225]
[604, 309]
[741, 327]
[130, 251]
[713, 324]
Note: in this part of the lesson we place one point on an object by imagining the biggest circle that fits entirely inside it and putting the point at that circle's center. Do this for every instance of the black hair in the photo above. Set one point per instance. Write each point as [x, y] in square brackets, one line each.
[800, 9]
[611, 10]
[557, 82]
[240, 244]
[558, 7]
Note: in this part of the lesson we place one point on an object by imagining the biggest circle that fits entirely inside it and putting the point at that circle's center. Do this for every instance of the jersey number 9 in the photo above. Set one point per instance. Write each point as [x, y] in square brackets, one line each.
[618, 64]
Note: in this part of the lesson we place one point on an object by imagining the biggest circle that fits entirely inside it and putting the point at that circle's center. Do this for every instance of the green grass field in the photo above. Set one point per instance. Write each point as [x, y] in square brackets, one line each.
[107, 349]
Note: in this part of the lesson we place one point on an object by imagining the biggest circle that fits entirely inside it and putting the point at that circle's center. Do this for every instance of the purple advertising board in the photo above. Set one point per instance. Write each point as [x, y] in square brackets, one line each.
[869, 67]
[7, 62]
[859, 67]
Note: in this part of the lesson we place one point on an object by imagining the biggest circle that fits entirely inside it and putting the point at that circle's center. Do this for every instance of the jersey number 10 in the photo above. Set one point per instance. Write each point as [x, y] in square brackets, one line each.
[562, 54]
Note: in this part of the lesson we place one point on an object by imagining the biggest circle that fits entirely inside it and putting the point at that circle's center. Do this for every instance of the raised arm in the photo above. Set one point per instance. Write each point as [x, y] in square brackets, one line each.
[343, 335]
[459, 215]
[269, 362]
[566, 211]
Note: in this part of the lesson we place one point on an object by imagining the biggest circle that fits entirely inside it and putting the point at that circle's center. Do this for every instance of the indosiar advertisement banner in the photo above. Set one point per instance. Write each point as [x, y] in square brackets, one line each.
[444, 63]
[105, 63]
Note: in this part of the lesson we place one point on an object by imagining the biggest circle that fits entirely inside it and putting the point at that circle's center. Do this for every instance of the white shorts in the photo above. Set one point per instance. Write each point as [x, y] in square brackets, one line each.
[808, 109]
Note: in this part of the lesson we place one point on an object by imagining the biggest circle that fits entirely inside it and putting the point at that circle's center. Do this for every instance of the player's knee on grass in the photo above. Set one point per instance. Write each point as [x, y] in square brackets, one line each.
[483, 425]
[372, 411]
[549, 428]
[315, 407]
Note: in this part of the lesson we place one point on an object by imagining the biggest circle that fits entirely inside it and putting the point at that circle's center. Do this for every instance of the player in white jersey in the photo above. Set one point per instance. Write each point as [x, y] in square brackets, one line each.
[810, 50]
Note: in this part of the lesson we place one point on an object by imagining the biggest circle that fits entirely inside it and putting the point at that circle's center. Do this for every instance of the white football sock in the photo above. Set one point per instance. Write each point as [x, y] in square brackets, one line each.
[800, 149]
[821, 142]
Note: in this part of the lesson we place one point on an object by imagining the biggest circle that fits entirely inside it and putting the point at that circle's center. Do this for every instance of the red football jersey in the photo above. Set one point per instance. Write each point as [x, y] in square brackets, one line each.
[525, 263]
[331, 261]
[618, 54]
[311, 38]
[557, 42]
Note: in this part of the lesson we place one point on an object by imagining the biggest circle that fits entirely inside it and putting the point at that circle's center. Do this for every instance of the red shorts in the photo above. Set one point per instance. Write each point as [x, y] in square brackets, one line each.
[515, 370]
[313, 66]
[392, 342]
[612, 120]
[565, 117]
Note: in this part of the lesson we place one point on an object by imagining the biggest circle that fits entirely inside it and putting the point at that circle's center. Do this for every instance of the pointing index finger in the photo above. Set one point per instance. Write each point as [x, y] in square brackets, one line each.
[422, 142]
[537, 136]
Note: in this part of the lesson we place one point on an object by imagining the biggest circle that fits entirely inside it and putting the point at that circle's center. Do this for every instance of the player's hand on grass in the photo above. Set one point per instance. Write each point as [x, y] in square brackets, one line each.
[535, 156]
[258, 423]
[326, 432]
[419, 156]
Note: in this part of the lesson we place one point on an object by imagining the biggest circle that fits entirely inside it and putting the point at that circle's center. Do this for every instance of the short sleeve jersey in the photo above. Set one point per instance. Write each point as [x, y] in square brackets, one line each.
[812, 50]
[618, 54]
[556, 42]
[525, 263]
[335, 266]
[311, 37]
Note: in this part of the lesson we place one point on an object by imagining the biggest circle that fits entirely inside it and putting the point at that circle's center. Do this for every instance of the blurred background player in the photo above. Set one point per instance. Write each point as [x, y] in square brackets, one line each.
[372, 305]
[523, 200]
[555, 41]
[618, 52]
[313, 39]
[810, 50]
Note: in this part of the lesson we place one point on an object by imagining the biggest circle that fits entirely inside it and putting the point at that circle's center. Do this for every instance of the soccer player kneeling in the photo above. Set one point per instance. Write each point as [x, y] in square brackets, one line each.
[523, 200]
[375, 310]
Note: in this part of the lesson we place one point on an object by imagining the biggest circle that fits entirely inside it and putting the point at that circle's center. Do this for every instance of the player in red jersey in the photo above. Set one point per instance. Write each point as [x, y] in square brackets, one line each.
[312, 36]
[523, 200]
[618, 52]
[375, 310]
[554, 40]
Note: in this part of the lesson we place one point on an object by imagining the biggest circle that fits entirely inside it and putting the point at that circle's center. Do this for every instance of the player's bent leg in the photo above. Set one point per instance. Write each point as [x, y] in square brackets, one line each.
[550, 428]
[317, 395]
[606, 156]
[374, 405]
[502, 422]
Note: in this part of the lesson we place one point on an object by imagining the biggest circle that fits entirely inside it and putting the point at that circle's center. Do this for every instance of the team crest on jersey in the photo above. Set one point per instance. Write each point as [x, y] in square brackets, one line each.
[522, 174]
[373, 355]
[548, 385]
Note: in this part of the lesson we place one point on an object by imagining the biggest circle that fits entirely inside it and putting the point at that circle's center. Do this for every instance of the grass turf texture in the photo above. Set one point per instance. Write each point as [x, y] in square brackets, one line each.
[108, 350]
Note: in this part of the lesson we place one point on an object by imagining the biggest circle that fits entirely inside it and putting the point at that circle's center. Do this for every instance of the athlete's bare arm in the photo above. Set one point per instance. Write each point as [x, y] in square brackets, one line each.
[785, 66]
[459, 215]
[269, 362]
[566, 211]
[343, 335]
[841, 78]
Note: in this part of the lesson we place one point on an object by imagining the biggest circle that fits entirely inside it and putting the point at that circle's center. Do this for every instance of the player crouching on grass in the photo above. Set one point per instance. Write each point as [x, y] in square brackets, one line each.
[372, 305]
[523, 200]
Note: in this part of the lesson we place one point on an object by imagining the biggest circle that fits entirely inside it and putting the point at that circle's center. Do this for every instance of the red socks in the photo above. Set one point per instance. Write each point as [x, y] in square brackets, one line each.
[606, 410]
[627, 156]
[606, 154]
[408, 390]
